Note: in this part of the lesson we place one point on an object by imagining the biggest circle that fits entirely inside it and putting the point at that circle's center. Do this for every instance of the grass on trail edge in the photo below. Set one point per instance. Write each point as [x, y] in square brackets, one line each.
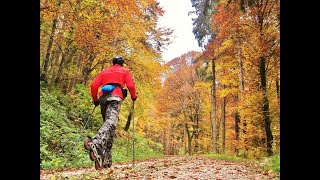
[121, 153]
[62, 119]
[267, 163]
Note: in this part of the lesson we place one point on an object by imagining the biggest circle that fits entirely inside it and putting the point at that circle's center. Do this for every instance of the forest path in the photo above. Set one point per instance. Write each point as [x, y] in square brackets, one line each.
[172, 167]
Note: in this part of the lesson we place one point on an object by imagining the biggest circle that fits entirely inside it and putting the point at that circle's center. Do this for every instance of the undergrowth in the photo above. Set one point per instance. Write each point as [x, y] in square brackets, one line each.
[66, 119]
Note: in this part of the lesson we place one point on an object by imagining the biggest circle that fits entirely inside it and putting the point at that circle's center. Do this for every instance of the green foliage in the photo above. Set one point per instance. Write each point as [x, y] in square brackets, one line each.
[267, 163]
[62, 118]
[144, 149]
[271, 163]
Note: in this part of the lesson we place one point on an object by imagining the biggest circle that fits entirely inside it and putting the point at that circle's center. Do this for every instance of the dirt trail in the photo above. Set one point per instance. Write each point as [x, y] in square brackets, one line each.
[184, 168]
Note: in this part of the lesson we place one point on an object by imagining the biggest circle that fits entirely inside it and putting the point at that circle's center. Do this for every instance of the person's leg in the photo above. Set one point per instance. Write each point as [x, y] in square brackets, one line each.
[104, 139]
[112, 116]
[103, 107]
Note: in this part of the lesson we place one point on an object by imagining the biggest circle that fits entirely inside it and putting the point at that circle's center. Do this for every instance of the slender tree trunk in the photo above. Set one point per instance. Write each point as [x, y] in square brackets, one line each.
[61, 67]
[67, 83]
[185, 139]
[55, 68]
[265, 107]
[165, 141]
[189, 140]
[263, 81]
[241, 79]
[189, 146]
[87, 69]
[51, 65]
[48, 52]
[188, 134]
[218, 134]
[197, 118]
[196, 135]
[169, 141]
[236, 129]
[223, 122]
[278, 91]
[214, 109]
[69, 51]
[75, 76]
[72, 80]
[237, 116]
[64, 57]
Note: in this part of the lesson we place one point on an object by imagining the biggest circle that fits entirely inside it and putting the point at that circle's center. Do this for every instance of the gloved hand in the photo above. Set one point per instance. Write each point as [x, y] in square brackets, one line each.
[133, 99]
[96, 103]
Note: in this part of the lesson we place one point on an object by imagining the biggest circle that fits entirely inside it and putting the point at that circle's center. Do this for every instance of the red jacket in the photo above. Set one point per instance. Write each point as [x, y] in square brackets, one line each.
[114, 74]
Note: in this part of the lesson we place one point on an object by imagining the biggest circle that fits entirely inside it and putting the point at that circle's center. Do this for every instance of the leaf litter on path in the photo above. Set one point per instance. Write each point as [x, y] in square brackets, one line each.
[172, 167]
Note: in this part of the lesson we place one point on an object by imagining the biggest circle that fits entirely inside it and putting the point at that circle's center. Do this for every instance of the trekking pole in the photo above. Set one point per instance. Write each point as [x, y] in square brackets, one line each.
[126, 128]
[133, 133]
[83, 128]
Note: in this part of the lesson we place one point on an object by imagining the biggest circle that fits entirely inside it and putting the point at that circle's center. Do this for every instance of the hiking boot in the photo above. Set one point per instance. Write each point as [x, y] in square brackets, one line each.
[107, 162]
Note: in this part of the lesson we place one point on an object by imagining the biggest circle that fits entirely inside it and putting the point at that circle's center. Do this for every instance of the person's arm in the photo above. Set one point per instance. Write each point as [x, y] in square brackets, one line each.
[96, 83]
[130, 85]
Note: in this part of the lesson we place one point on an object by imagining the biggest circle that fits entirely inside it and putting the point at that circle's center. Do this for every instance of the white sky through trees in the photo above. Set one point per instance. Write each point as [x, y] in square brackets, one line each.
[176, 17]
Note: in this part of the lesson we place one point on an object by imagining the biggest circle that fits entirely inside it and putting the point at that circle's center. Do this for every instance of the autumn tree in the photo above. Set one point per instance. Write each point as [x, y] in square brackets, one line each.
[79, 38]
[183, 100]
[238, 32]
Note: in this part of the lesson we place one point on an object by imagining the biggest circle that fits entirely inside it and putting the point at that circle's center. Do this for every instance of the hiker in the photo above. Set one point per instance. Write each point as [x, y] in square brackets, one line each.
[112, 80]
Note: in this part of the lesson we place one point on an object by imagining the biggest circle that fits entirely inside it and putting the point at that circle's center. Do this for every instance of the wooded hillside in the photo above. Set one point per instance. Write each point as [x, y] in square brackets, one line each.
[225, 99]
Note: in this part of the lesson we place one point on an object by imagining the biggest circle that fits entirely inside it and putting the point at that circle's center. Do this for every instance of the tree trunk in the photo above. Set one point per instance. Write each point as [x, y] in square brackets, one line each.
[48, 52]
[197, 118]
[265, 106]
[238, 118]
[241, 79]
[278, 91]
[214, 109]
[188, 135]
[54, 68]
[75, 77]
[87, 69]
[54, 54]
[236, 129]
[68, 78]
[61, 67]
[72, 80]
[170, 139]
[189, 146]
[189, 139]
[223, 122]
[165, 141]
[51, 65]
[196, 134]
[218, 122]
[185, 139]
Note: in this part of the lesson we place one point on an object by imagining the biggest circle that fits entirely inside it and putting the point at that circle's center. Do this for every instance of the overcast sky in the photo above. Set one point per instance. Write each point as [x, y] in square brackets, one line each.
[176, 17]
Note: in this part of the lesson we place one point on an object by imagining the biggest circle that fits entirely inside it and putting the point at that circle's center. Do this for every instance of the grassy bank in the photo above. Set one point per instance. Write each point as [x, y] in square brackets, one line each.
[271, 163]
[62, 118]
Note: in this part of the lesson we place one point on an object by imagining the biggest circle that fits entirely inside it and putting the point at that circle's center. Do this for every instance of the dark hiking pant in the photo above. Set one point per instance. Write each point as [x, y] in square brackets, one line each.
[110, 108]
